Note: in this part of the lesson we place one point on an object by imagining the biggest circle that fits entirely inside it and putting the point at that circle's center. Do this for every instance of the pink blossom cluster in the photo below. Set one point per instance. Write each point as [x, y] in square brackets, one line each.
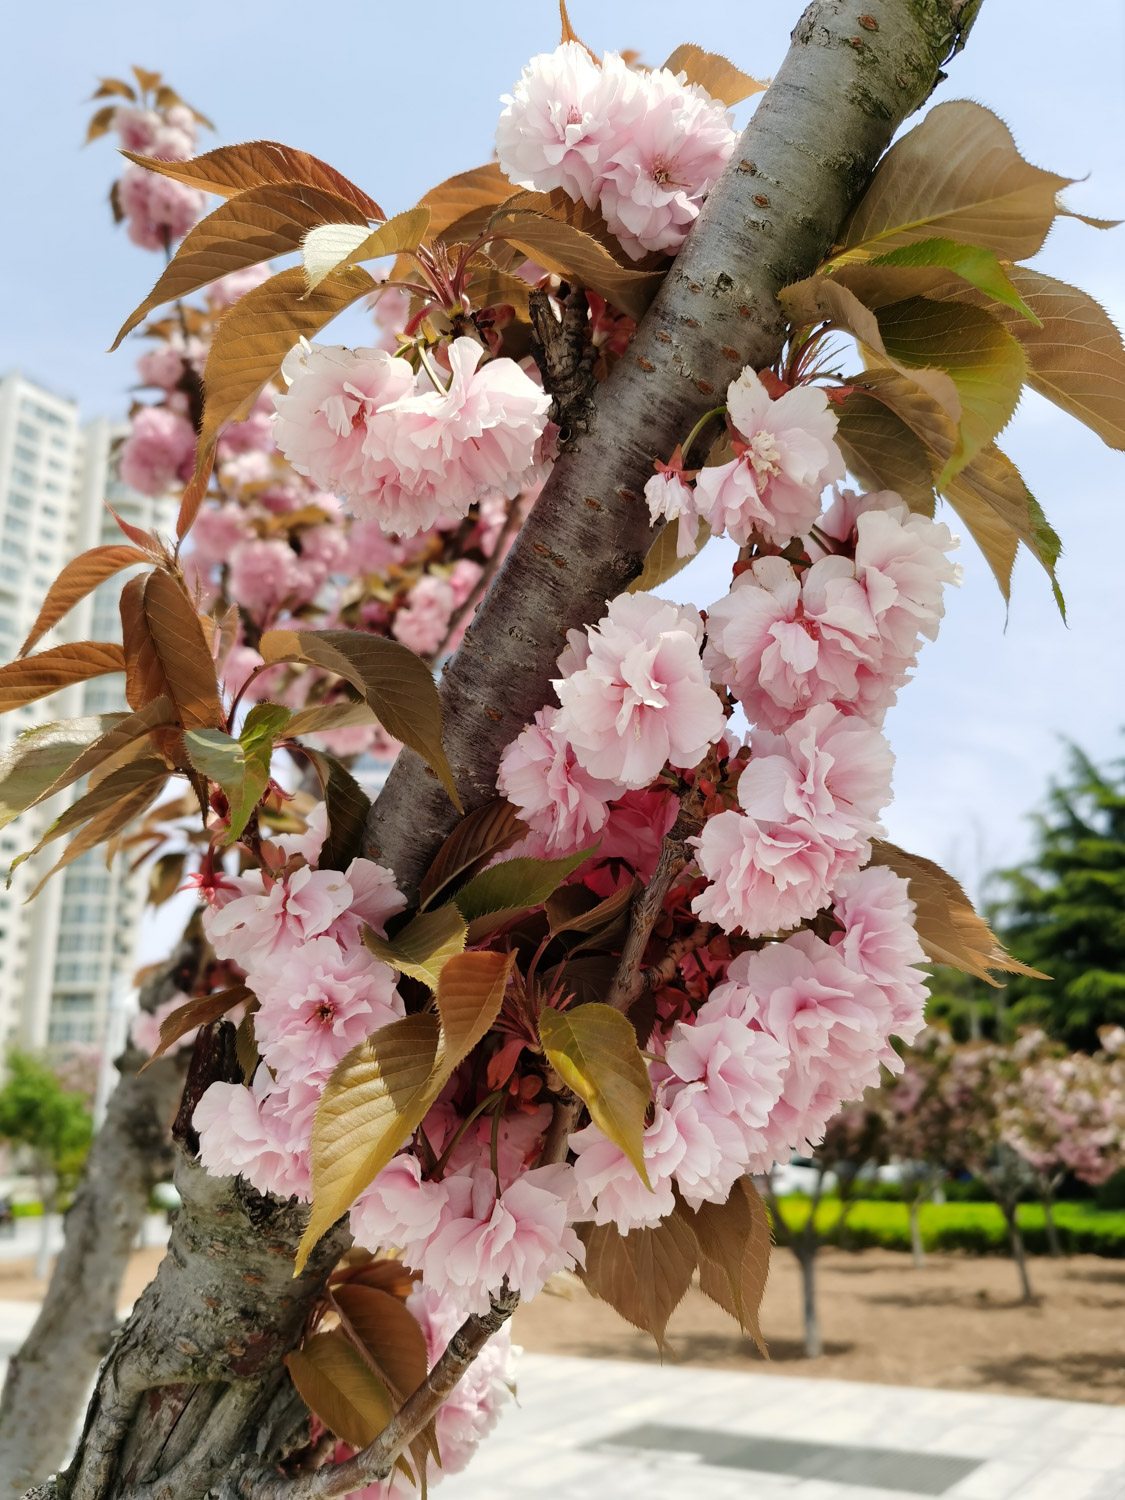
[1066, 1111]
[404, 450]
[785, 455]
[298, 938]
[159, 451]
[158, 209]
[643, 146]
[796, 1029]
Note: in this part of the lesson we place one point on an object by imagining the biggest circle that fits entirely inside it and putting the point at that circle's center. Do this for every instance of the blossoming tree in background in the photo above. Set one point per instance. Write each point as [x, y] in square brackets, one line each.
[594, 957]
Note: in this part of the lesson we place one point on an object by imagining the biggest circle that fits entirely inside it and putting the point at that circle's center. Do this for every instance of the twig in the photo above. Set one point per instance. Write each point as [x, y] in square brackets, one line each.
[627, 982]
[658, 974]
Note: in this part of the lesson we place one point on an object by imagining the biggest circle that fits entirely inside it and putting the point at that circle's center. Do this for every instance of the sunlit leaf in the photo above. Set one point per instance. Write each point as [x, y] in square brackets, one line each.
[109, 822]
[593, 1048]
[334, 245]
[948, 928]
[327, 716]
[930, 268]
[478, 838]
[336, 1383]
[251, 227]
[663, 560]
[715, 73]
[79, 578]
[116, 87]
[642, 1275]
[232, 169]
[101, 122]
[398, 686]
[241, 767]
[424, 946]
[167, 652]
[991, 490]
[31, 677]
[122, 740]
[930, 423]
[957, 175]
[200, 1011]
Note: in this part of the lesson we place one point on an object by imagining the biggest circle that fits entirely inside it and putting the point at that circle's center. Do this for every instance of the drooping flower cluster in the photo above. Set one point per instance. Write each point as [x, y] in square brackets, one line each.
[403, 450]
[643, 146]
[157, 209]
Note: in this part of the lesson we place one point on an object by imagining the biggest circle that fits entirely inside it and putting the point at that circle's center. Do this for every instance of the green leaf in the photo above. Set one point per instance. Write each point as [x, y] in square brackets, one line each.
[516, 885]
[424, 946]
[324, 716]
[593, 1049]
[330, 246]
[240, 767]
[973, 263]
[337, 1384]
[986, 364]
[398, 686]
[40, 756]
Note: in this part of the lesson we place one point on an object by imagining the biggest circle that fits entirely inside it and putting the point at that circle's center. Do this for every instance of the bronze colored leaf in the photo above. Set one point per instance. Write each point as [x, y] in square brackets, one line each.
[347, 805]
[167, 651]
[733, 1241]
[469, 995]
[336, 1383]
[398, 686]
[115, 87]
[36, 760]
[253, 226]
[232, 169]
[31, 677]
[80, 577]
[591, 916]
[200, 1011]
[118, 743]
[424, 946]
[568, 32]
[478, 838]
[882, 451]
[256, 335]
[101, 122]
[141, 538]
[489, 286]
[121, 782]
[375, 1099]
[715, 73]
[643, 1275]
[346, 714]
[195, 492]
[948, 928]
[110, 821]
[389, 1332]
[331, 246]
[461, 206]
[593, 1049]
[570, 252]
[996, 505]
[164, 878]
[663, 560]
[958, 175]
[928, 420]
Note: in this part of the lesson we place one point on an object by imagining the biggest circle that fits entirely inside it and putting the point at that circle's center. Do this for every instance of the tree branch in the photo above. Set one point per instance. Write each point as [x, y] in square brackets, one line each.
[808, 151]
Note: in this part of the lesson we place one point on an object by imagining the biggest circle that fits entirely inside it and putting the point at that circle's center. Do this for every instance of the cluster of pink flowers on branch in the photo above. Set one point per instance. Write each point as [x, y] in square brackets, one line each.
[157, 123]
[643, 146]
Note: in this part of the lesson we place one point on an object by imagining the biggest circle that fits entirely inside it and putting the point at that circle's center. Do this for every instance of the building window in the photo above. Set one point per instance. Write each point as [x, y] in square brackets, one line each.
[18, 501]
[50, 510]
[77, 973]
[14, 549]
[21, 476]
[66, 1030]
[81, 942]
[15, 524]
[26, 430]
[25, 455]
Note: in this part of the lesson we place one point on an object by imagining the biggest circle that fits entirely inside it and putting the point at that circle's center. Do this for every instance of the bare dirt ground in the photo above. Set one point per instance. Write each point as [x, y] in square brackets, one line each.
[957, 1323]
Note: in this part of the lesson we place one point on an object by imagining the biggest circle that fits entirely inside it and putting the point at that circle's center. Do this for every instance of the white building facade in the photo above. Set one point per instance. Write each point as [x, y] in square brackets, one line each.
[65, 956]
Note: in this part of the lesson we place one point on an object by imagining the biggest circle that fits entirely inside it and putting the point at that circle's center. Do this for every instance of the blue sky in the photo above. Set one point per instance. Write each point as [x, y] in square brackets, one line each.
[399, 97]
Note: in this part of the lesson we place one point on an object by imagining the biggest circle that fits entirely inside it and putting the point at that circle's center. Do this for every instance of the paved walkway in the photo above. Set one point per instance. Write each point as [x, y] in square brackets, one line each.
[588, 1429]
[607, 1430]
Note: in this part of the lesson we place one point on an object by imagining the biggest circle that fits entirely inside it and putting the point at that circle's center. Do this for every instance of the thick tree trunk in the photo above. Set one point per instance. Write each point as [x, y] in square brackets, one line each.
[843, 89]
[848, 80]
[55, 1368]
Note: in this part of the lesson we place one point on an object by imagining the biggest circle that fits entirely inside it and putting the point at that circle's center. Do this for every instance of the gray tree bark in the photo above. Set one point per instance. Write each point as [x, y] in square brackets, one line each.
[55, 1368]
[849, 79]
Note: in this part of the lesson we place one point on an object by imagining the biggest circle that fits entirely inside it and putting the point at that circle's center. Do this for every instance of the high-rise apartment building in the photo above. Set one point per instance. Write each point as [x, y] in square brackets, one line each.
[63, 956]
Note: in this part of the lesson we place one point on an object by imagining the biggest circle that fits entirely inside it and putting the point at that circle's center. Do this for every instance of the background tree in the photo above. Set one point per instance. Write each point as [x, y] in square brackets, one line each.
[919, 1125]
[51, 1127]
[1064, 910]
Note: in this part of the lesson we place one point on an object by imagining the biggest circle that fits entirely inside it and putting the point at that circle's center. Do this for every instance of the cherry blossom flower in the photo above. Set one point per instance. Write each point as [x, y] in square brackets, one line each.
[670, 498]
[238, 1138]
[788, 455]
[564, 119]
[762, 879]
[559, 801]
[423, 621]
[324, 1002]
[157, 209]
[608, 1186]
[160, 449]
[263, 923]
[265, 574]
[642, 699]
[878, 939]
[235, 284]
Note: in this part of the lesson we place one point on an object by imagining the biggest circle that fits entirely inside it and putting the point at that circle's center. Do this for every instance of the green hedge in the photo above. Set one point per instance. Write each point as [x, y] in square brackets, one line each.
[976, 1227]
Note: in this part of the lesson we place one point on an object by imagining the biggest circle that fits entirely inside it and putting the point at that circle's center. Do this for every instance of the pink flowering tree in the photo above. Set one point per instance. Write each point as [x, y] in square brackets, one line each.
[593, 957]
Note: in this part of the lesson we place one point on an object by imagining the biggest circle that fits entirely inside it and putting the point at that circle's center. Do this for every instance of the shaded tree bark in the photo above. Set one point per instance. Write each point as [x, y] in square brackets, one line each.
[177, 1412]
[55, 1367]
